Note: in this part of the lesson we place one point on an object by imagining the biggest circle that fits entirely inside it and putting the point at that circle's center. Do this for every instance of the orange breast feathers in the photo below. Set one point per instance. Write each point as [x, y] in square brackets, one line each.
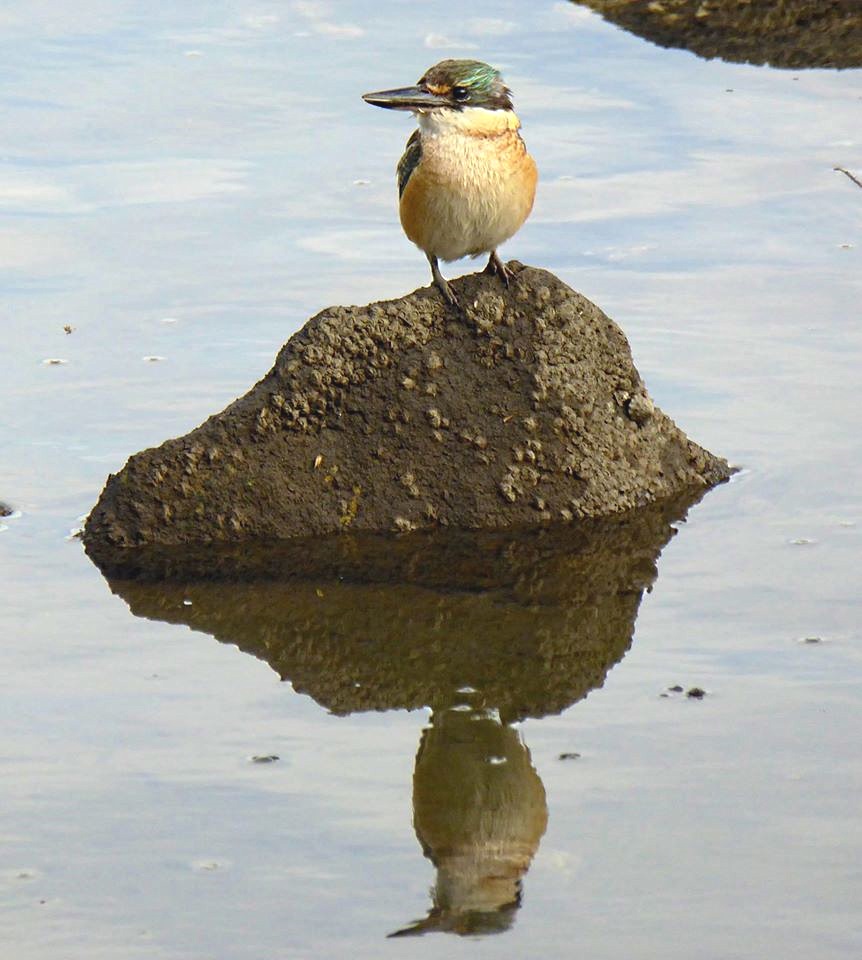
[468, 194]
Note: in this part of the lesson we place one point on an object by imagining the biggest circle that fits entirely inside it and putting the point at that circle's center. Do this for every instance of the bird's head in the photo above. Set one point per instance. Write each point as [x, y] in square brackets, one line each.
[449, 85]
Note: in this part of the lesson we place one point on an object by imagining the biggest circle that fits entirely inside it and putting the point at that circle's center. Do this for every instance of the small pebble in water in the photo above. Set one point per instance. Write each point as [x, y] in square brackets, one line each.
[811, 640]
[569, 756]
[68, 328]
[53, 361]
[696, 693]
[676, 688]
[153, 359]
[265, 758]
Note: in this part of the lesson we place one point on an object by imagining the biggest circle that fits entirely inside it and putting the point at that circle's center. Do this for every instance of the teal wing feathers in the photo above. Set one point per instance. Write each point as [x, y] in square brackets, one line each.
[409, 160]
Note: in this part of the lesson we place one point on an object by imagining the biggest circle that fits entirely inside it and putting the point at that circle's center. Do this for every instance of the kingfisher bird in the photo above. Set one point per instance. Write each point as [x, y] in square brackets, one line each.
[465, 182]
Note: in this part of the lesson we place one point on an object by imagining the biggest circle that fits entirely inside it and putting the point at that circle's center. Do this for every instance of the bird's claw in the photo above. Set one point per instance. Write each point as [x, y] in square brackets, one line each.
[441, 284]
[497, 268]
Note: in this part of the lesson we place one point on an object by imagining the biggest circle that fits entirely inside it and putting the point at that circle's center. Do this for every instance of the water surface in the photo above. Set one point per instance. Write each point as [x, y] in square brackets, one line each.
[191, 184]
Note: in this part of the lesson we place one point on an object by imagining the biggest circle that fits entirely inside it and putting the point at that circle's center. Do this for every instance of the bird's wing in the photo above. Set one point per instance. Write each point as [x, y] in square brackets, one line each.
[409, 160]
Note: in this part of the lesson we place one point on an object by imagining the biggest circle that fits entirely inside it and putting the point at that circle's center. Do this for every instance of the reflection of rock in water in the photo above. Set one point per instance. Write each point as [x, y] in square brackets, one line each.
[479, 812]
[533, 620]
[529, 620]
[782, 33]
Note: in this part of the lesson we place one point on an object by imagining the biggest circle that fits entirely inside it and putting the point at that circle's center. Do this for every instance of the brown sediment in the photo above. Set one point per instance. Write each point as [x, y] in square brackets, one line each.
[525, 407]
[793, 34]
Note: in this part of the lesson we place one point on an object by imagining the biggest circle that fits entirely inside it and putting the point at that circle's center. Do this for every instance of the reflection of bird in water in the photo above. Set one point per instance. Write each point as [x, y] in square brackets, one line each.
[466, 182]
[479, 812]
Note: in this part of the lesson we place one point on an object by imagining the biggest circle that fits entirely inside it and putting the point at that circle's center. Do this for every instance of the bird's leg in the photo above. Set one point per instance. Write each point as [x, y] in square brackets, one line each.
[496, 266]
[440, 281]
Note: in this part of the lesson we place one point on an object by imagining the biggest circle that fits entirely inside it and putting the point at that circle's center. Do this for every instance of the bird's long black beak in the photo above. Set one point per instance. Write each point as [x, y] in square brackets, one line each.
[406, 98]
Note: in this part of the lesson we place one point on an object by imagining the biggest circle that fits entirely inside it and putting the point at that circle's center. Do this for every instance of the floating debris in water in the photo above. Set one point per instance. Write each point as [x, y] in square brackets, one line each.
[811, 640]
[53, 361]
[696, 693]
[8, 513]
[68, 328]
[265, 758]
[848, 174]
[569, 756]
[209, 866]
[19, 873]
[801, 541]
[153, 359]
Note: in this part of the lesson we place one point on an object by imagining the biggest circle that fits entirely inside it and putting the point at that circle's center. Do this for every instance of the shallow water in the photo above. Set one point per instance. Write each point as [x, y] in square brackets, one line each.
[191, 186]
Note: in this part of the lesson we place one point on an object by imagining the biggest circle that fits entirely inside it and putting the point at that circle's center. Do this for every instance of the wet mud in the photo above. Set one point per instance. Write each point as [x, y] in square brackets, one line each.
[794, 34]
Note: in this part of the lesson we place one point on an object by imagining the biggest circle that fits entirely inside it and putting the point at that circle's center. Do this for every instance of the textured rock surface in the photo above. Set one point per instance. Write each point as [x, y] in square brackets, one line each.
[783, 33]
[406, 414]
[370, 622]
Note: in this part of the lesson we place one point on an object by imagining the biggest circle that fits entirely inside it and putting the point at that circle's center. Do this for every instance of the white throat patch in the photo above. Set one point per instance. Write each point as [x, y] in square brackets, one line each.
[473, 121]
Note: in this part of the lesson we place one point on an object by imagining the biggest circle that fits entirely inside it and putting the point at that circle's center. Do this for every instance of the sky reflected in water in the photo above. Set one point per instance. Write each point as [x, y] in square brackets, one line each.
[191, 184]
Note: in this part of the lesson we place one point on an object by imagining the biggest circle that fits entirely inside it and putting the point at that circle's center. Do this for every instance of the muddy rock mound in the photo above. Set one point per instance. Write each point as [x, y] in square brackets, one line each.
[791, 34]
[523, 406]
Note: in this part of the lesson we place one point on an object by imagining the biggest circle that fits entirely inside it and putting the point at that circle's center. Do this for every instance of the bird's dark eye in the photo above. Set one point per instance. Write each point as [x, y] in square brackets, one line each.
[460, 93]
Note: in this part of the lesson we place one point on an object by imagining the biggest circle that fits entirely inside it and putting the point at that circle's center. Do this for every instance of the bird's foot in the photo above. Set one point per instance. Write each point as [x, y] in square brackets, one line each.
[496, 267]
[440, 282]
[446, 290]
